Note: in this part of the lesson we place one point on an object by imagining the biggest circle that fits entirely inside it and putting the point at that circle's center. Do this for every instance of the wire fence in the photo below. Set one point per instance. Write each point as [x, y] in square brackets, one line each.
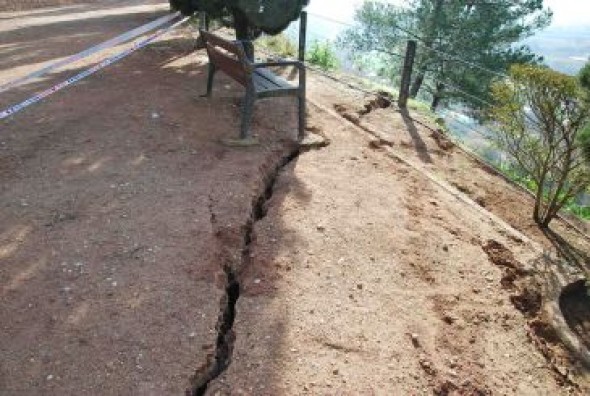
[426, 45]
[464, 129]
[440, 55]
[476, 137]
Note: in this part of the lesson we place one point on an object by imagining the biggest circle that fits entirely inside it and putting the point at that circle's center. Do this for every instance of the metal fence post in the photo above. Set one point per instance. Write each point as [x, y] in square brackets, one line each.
[302, 35]
[203, 25]
[404, 89]
[203, 21]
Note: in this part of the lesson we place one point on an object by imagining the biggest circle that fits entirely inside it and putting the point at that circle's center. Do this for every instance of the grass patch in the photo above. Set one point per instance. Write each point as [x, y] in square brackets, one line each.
[279, 45]
[323, 55]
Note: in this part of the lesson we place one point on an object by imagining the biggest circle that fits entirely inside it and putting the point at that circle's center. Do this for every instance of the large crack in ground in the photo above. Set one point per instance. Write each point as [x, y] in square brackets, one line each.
[221, 360]
[225, 336]
[526, 296]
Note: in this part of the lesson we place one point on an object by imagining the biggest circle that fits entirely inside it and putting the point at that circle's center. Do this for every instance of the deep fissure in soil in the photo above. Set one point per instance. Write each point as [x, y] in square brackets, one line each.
[574, 303]
[225, 333]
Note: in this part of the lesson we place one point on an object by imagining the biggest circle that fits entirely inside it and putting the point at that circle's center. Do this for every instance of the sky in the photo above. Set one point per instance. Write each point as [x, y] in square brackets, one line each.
[565, 44]
[565, 12]
[569, 12]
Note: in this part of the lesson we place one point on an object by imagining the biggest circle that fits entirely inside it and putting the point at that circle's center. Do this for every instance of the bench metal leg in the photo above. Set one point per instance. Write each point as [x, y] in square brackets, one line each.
[302, 102]
[210, 76]
[247, 110]
[301, 106]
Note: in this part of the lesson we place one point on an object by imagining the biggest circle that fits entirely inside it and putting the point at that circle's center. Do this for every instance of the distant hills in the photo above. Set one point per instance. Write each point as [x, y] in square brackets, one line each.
[565, 49]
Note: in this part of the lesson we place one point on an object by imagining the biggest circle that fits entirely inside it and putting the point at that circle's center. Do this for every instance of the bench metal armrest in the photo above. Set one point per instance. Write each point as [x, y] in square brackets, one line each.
[298, 64]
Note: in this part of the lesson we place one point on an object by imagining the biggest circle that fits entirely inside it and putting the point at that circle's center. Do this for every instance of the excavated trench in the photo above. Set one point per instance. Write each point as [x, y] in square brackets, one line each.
[225, 334]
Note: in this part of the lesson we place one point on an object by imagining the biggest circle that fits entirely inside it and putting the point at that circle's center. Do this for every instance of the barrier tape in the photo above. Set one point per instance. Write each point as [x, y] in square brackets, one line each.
[72, 80]
[93, 50]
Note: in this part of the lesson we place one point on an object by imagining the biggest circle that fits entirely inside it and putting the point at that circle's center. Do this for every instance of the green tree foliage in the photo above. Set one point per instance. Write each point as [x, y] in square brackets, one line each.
[481, 32]
[584, 77]
[542, 116]
[585, 142]
[322, 55]
[250, 18]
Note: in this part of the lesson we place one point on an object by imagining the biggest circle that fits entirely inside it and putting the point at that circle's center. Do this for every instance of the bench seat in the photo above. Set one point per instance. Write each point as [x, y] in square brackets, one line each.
[258, 79]
[268, 84]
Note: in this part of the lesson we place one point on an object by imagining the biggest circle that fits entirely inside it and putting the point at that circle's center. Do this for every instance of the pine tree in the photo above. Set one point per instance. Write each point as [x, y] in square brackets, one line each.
[480, 32]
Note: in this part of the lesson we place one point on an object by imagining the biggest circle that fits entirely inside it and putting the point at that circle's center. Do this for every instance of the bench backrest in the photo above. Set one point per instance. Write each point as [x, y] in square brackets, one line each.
[228, 56]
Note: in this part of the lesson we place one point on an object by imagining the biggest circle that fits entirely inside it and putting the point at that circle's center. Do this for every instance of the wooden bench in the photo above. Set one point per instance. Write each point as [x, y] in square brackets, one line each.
[259, 81]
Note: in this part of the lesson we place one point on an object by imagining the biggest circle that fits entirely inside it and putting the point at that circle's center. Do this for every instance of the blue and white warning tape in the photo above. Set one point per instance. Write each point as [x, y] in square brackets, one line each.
[72, 80]
[130, 35]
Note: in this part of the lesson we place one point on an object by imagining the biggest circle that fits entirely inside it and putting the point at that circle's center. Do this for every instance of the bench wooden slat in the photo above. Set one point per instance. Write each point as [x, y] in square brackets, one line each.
[276, 93]
[273, 78]
[215, 41]
[232, 67]
[267, 87]
[261, 82]
[259, 85]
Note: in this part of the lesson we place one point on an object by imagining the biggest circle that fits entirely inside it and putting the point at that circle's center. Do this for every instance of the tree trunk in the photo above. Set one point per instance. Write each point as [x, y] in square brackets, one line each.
[538, 205]
[429, 41]
[417, 84]
[554, 201]
[545, 223]
[549, 214]
[241, 26]
[437, 97]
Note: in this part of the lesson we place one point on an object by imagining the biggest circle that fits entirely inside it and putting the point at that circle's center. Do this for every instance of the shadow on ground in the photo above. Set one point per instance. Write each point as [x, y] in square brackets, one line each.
[118, 204]
[421, 148]
[63, 33]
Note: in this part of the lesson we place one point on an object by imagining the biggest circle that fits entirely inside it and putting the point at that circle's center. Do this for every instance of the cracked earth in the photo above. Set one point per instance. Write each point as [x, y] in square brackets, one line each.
[140, 256]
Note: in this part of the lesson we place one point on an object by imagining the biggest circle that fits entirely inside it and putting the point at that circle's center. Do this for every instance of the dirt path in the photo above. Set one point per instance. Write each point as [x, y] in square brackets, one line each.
[119, 210]
[365, 277]
[127, 233]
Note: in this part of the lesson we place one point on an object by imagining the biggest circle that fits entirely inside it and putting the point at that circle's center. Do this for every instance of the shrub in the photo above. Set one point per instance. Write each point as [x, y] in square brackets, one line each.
[584, 76]
[280, 45]
[542, 115]
[322, 55]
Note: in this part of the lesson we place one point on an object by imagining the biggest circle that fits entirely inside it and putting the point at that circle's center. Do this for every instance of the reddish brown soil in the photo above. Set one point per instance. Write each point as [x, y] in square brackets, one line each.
[118, 210]
[470, 176]
[120, 214]
[20, 5]
[367, 277]
[568, 246]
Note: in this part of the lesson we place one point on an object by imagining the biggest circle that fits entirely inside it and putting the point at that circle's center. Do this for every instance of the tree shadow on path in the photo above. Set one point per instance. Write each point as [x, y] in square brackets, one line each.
[419, 144]
[575, 257]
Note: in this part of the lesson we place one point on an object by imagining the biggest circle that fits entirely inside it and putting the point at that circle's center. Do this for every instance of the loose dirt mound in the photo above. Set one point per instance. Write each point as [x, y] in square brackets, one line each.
[442, 140]
[513, 270]
[527, 298]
